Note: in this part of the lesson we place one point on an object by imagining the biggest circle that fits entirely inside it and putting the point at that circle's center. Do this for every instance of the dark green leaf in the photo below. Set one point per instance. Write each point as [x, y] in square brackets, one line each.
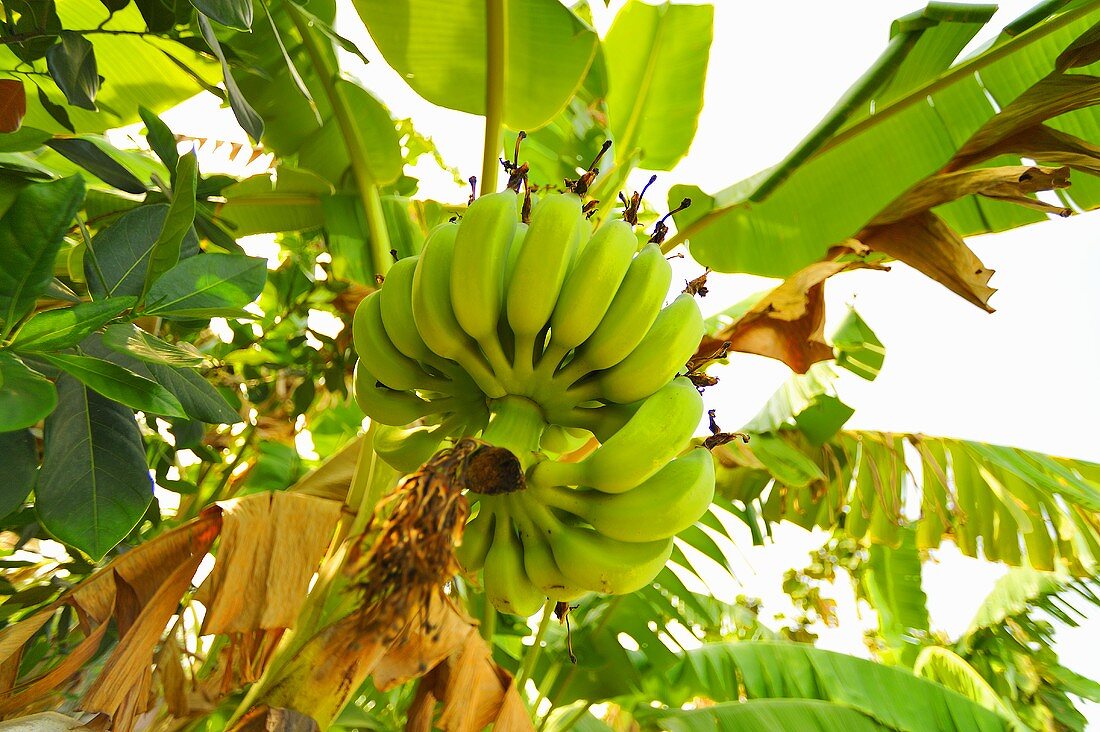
[657, 65]
[165, 253]
[50, 330]
[246, 116]
[160, 139]
[119, 384]
[159, 15]
[56, 111]
[73, 68]
[199, 398]
[115, 5]
[206, 286]
[129, 339]
[87, 155]
[26, 396]
[94, 485]
[235, 14]
[19, 456]
[38, 20]
[548, 52]
[117, 259]
[30, 236]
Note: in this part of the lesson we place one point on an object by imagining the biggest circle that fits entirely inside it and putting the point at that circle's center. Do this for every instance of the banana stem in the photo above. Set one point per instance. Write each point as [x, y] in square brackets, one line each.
[517, 424]
[495, 52]
[369, 195]
[532, 655]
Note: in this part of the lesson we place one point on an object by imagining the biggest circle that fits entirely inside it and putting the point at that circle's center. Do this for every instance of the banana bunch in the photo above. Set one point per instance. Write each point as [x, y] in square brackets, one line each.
[540, 338]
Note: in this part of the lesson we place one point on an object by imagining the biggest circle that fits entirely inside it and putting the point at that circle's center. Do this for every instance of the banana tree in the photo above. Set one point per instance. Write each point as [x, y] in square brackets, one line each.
[139, 344]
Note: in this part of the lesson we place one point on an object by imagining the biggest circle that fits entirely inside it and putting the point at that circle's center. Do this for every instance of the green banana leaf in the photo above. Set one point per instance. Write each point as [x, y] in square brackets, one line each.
[892, 697]
[547, 52]
[1006, 504]
[1011, 646]
[930, 116]
[891, 581]
[947, 668]
[765, 715]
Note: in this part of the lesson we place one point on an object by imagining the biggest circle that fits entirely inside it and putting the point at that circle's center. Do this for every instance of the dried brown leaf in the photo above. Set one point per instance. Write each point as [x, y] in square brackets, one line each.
[787, 324]
[150, 581]
[929, 245]
[1053, 96]
[1042, 143]
[270, 548]
[1008, 183]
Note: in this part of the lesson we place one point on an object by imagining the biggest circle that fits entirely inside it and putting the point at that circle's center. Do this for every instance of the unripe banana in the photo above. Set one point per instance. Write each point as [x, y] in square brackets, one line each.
[477, 537]
[662, 506]
[632, 312]
[657, 432]
[561, 439]
[407, 448]
[540, 270]
[665, 350]
[598, 563]
[538, 560]
[434, 314]
[510, 265]
[477, 271]
[588, 291]
[507, 586]
[391, 407]
[397, 314]
[387, 363]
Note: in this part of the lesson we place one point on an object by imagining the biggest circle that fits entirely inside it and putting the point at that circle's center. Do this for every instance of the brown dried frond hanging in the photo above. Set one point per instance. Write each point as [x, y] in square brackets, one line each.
[412, 556]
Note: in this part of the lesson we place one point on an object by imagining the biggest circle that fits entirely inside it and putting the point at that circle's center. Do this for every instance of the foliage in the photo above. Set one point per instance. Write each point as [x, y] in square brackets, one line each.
[168, 399]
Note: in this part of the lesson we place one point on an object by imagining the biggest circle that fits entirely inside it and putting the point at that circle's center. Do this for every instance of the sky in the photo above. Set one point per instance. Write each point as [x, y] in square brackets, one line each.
[1023, 376]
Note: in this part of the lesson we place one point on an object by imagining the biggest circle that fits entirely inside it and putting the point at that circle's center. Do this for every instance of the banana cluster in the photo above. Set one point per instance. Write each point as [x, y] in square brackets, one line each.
[538, 338]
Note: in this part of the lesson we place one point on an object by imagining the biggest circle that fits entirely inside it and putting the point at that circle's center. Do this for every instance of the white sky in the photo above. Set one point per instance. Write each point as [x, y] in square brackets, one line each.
[1023, 376]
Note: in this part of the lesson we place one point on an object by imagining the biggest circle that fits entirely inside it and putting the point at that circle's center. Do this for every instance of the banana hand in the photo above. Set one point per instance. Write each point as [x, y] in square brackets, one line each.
[661, 507]
[657, 432]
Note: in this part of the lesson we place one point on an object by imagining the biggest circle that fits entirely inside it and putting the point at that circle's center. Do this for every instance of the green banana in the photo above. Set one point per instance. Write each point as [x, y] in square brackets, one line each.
[588, 559]
[657, 432]
[477, 537]
[514, 249]
[629, 317]
[538, 560]
[665, 350]
[664, 505]
[407, 448]
[397, 314]
[559, 439]
[540, 270]
[588, 291]
[387, 363]
[387, 406]
[434, 314]
[506, 583]
[477, 271]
